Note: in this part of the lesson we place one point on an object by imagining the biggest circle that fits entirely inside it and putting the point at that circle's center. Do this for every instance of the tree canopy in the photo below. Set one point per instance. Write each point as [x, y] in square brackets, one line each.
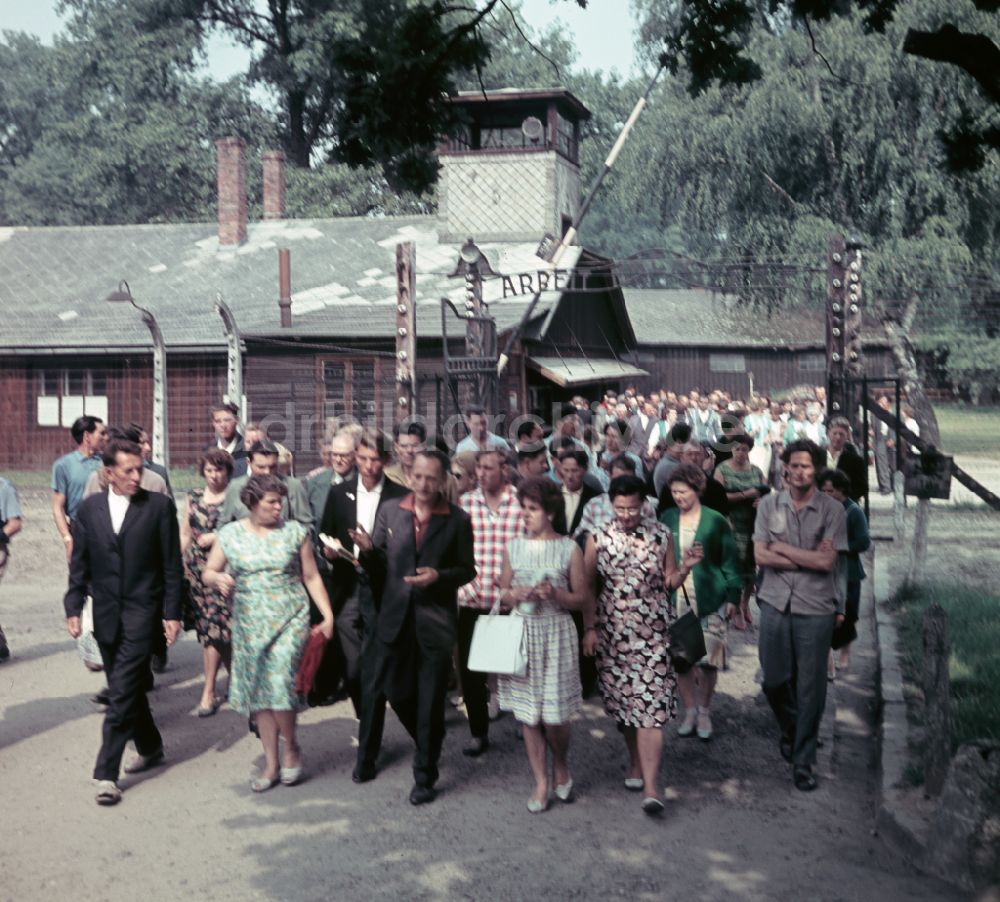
[713, 42]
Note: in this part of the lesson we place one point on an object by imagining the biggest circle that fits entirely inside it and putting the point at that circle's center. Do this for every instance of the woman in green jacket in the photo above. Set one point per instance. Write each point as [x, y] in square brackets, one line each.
[705, 568]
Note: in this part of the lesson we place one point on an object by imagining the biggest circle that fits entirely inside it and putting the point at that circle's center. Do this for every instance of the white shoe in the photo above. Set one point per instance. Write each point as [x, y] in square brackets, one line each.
[687, 725]
[108, 792]
[493, 707]
[704, 725]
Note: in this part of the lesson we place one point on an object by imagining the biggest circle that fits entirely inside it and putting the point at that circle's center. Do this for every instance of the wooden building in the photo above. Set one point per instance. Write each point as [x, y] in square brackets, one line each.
[701, 340]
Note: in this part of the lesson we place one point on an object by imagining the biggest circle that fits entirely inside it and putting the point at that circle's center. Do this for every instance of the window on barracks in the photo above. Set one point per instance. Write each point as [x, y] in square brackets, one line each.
[727, 363]
[814, 362]
[64, 395]
[351, 389]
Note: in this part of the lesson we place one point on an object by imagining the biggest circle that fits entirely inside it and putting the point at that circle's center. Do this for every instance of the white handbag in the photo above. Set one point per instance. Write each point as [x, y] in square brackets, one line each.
[498, 644]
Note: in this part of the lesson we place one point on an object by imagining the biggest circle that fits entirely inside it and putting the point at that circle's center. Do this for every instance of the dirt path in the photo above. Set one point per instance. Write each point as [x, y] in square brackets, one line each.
[735, 827]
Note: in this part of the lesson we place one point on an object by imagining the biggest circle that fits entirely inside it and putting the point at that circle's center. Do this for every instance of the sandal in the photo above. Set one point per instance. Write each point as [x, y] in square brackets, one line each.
[262, 783]
[208, 710]
[291, 775]
[652, 805]
[108, 793]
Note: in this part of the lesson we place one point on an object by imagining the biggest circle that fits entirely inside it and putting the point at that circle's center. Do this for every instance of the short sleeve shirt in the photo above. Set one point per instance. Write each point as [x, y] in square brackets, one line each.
[800, 591]
[10, 506]
[492, 441]
[69, 477]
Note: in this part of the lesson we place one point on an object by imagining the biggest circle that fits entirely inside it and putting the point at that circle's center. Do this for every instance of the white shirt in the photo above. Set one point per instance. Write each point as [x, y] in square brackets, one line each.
[118, 506]
[367, 506]
[571, 501]
[231, 447]
[654, 436]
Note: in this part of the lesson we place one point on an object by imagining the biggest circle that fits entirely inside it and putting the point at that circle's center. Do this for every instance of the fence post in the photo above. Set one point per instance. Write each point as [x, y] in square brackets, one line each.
[918, 548]
[406, 331]
[898, 507]
[937, 700]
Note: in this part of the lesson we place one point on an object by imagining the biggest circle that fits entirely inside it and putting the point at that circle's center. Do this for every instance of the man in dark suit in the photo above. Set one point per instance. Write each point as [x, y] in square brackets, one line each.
[356, 502]
[420, 553]
[844, 456]
[338, 460]
[225, 419]
[126, 555]
[572, 465]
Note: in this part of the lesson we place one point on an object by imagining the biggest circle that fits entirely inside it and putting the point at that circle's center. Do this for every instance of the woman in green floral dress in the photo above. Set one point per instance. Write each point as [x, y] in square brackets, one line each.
[271, 575]
[745, 484]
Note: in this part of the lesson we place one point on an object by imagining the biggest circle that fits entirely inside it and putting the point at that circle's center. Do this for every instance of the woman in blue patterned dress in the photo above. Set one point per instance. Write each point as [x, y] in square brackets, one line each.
[543, 578]
[627, 628]
[271, 570]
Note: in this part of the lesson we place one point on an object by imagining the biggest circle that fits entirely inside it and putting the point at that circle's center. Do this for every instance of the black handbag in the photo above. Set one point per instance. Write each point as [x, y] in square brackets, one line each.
[843, 635]
[687, 641]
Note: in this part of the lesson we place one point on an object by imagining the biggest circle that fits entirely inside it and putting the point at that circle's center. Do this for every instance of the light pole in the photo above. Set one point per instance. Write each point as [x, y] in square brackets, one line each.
[160, 454]
[234, 358]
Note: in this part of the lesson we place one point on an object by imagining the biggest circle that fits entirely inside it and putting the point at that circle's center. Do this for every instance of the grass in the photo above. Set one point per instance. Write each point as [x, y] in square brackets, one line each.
[969, 430]
[974, 665]
[182, 479]
[28, 479]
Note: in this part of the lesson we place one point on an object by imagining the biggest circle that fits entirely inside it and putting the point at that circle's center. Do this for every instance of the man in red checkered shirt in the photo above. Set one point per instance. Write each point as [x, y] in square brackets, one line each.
[496, 519]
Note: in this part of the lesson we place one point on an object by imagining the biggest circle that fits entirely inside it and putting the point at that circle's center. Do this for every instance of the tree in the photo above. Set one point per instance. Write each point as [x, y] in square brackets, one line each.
[292, 45]
[361, 83]
[26, 72]
[712, 42]
[122, 130]
[114, 124]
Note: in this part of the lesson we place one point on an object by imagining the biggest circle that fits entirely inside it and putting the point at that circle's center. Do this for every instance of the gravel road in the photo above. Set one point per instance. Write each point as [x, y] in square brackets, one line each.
[735, 828]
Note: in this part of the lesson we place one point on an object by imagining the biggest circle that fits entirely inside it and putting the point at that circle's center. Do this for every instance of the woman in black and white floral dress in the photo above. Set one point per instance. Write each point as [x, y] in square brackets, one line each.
[628, 631]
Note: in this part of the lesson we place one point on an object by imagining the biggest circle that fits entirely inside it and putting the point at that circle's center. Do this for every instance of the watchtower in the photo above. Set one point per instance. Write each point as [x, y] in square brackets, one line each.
[511, 172]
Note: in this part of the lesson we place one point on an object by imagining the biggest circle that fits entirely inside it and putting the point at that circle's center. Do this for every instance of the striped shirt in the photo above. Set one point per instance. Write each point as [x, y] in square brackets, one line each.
[491, 531]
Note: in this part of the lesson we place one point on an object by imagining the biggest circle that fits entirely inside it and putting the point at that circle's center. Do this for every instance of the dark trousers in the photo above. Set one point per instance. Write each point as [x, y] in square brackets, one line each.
[475, 686]
[159, 646]
[349, 634]
[415, 680]
[126, 663]
[588, 665]
[370, 706]
[793, 650]
[327, 679]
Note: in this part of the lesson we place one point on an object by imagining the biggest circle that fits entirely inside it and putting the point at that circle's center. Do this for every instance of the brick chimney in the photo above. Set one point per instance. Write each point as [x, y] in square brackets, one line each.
[231, 173]
[274, 184]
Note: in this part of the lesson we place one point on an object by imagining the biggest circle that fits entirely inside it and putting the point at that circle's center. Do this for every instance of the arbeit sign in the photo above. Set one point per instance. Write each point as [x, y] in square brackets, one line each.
[527, 283]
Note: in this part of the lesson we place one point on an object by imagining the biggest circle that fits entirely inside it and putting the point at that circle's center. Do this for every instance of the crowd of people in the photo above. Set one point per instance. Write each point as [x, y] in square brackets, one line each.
[366, 578]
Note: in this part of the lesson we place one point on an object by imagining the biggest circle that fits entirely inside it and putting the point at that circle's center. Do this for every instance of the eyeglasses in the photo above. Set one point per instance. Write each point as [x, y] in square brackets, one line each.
[340, 453]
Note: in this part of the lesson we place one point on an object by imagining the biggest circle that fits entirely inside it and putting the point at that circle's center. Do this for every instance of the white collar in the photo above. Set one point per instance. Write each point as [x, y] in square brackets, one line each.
[377, 490]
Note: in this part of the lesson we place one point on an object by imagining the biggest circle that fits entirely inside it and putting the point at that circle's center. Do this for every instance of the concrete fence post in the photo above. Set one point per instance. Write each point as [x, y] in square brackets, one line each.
[918, 547]
[937, 700]
[898, 506]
